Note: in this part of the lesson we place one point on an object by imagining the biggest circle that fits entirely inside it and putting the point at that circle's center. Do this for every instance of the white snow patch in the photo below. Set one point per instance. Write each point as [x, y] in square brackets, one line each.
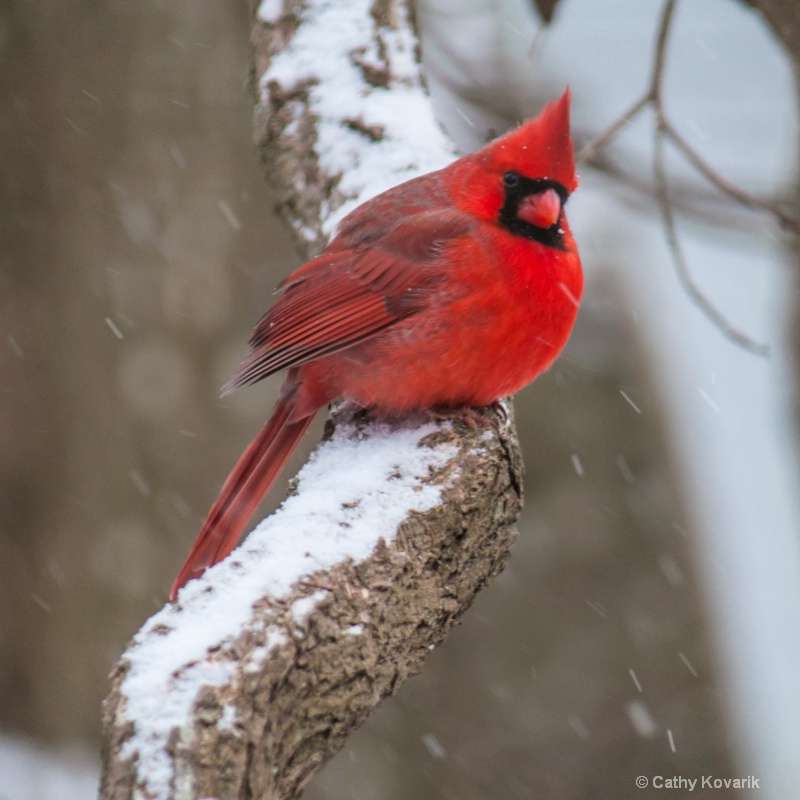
[28, 771]
[355, 630]
[228, 719]
[330, 43]
[641, 719]
[275, 638]
[270, 10]
[354, 491]
[305, 605]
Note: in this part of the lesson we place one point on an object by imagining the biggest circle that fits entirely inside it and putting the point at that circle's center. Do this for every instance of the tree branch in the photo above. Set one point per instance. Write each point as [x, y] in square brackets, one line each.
[239, 692]
[341, 110]
[256, 676]
[682, 266]
[665, 129]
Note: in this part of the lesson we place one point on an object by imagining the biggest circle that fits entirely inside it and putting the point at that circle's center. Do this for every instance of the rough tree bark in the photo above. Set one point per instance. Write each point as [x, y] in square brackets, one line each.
[783, 17]
[289, 686]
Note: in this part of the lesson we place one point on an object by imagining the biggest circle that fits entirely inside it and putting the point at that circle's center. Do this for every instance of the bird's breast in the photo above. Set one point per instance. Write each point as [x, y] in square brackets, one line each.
[486, 332]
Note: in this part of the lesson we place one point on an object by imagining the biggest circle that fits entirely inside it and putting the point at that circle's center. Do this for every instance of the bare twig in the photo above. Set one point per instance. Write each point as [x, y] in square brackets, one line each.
[664, 27]
[652, 97]
[704, 203]
[681, 265]
[592, 148]
[665, 129]
[785, 220]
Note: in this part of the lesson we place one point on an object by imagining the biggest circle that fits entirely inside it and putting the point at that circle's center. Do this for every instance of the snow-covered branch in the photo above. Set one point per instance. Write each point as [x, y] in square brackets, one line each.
[259, 672]
[256, 676]
[341, 111]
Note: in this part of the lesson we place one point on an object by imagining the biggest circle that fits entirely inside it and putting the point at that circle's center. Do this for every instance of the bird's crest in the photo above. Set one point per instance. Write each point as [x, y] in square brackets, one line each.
[539, 148]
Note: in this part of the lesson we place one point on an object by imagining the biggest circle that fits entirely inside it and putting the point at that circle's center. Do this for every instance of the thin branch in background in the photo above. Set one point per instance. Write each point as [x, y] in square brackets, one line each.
[704, 203]
[681, 265]
[651, 97]
[659, 60]
[667, 212]
[592, 148]
[665, 129]
[784, 219]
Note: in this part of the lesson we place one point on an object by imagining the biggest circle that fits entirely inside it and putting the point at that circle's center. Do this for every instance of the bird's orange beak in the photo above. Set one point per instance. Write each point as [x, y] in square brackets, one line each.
[542, 209]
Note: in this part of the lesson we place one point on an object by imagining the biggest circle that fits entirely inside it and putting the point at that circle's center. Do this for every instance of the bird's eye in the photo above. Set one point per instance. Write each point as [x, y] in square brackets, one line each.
[510, 179]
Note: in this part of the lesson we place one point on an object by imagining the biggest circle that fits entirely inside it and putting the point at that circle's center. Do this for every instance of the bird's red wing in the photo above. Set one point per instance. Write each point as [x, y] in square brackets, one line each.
[350, 293]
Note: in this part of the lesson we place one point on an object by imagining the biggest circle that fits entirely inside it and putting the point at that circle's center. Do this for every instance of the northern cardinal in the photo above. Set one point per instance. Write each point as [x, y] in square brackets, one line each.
[453, 289]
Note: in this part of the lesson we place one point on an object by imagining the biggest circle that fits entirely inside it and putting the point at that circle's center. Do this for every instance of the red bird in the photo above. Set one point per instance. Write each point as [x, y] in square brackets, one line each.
[453, 289]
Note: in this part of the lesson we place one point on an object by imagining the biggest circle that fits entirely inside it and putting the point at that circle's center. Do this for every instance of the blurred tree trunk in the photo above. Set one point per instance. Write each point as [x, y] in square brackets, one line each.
[121, 239]
[783, 16]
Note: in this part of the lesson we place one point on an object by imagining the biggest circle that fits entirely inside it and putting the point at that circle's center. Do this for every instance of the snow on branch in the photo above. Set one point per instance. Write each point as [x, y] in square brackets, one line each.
[341, 112]
[256, 676]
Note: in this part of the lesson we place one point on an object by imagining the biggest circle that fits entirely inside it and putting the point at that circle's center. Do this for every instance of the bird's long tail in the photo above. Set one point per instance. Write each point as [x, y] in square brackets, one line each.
[251, 478]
